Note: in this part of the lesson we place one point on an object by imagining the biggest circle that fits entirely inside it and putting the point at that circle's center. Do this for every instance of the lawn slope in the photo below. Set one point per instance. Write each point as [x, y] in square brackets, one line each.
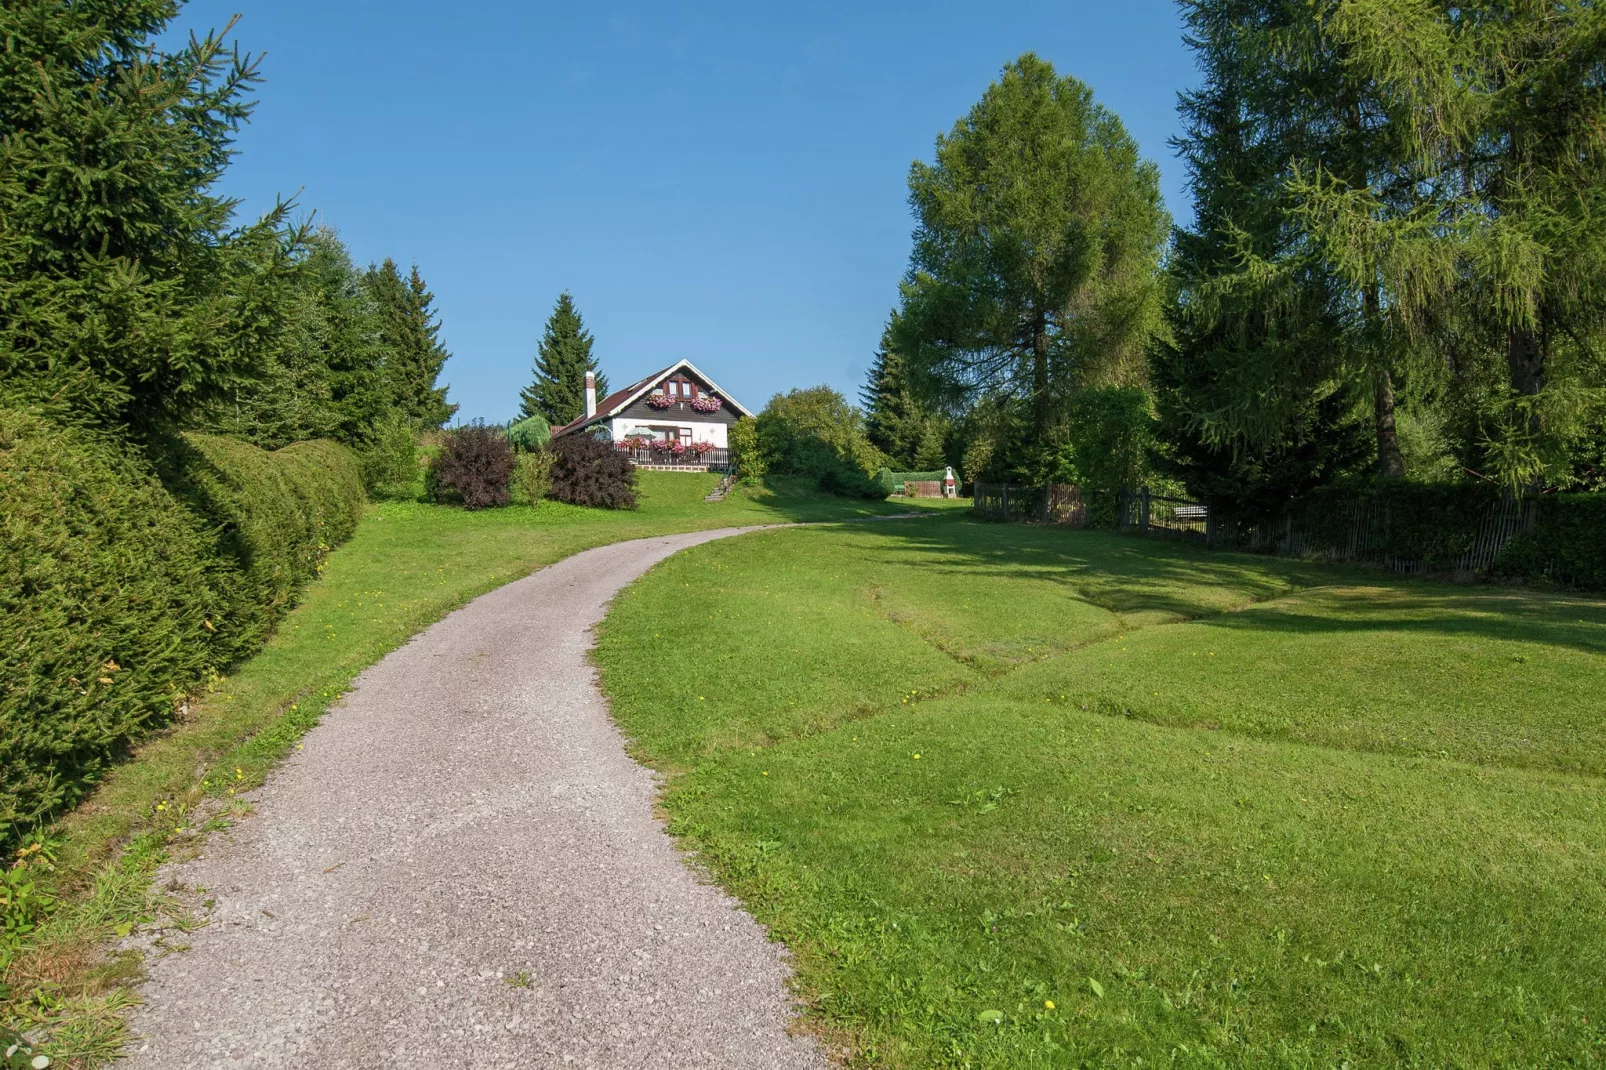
[1022, 798]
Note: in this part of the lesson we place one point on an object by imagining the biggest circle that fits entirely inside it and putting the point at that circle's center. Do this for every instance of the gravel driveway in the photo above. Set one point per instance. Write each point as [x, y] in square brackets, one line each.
[462, 868]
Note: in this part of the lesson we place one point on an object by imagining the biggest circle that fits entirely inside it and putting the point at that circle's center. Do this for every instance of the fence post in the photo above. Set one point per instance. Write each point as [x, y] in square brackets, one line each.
[1143, 521]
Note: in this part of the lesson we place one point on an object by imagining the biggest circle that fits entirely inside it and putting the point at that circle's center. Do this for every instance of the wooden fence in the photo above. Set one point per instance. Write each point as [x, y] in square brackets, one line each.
[1060, 503]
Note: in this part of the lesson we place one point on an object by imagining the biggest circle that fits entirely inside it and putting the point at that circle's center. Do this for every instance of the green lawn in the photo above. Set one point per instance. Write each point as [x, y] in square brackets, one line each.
[406, 567]
[1215, 809]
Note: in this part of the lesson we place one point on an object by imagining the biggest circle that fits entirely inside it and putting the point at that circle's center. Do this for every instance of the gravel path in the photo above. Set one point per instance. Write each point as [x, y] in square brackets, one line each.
[466, 819]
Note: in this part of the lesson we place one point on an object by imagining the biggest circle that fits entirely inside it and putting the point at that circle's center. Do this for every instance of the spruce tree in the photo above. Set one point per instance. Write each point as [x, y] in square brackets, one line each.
[129, 296]
[410, 334]
[1249, 381]
[558, 392]
[894, 421]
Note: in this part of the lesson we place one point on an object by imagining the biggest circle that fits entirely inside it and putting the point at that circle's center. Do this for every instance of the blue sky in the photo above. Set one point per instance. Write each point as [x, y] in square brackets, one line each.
[724, 182]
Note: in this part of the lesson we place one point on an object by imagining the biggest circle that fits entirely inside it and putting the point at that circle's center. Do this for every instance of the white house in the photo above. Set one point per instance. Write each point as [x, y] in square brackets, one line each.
[678, 412]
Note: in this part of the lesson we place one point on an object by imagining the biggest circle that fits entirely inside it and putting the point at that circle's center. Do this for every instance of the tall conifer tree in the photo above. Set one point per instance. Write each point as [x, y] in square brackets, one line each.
[414, 355]
[894, 420]
[558, 392]
[129, 295]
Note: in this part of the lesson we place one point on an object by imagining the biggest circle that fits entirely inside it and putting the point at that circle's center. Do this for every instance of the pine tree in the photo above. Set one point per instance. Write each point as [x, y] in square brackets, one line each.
[1249, 381]
[410, 334]
[558, 392]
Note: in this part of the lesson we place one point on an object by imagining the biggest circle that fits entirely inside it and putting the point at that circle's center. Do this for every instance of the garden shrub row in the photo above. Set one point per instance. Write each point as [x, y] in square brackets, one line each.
[119, 597]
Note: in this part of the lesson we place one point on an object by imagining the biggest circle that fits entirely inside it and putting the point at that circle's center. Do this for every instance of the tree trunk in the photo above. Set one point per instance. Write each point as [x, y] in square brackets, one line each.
[1525, 359]
[1390, 462]
[1040, 406]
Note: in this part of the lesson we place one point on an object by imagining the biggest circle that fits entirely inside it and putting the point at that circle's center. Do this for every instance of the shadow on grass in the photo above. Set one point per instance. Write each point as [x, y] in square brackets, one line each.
[1128, 575]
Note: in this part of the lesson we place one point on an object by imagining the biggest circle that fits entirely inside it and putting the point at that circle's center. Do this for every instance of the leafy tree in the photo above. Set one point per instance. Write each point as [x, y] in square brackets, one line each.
[128, 296]
[558, 392]
[1039, 234]
[815, 432]
[409, 333]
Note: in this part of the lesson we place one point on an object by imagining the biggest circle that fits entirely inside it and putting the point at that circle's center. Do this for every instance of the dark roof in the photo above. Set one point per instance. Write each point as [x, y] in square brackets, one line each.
[616, 402]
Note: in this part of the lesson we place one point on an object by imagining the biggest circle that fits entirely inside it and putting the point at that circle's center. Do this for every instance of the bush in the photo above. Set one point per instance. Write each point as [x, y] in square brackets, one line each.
[116, 600]
[530, 434]
[589, 471]
[532, 477]
[390, 462]
[474, 468]
[1567, 546]
[1112, 436]
[1433, 524]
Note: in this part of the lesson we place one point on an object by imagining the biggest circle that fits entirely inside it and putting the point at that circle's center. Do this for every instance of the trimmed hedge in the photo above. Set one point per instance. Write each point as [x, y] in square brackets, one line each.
[279, 516]
[1567, 546]
[1432, 523]
[892, 482]
[117, 600]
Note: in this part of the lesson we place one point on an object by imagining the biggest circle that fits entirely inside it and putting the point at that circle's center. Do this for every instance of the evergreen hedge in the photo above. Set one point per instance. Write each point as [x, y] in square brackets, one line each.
[1567, 545]
[117, 598]
[277, 514]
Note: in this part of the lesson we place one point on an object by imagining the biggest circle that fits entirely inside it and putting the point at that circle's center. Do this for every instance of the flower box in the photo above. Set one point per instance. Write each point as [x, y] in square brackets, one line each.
[707, 403]
[662, 401]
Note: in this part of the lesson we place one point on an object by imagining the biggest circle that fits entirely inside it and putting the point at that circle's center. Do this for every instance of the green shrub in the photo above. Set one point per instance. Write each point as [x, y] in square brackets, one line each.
[390, 461]
[112, 607]
[1566, 546]
[532, 477]
[815, 432]
[530, 434]
[746, 455]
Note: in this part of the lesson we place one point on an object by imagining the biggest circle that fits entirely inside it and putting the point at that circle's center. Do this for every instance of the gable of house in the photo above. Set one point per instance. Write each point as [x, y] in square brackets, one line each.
[682, 382]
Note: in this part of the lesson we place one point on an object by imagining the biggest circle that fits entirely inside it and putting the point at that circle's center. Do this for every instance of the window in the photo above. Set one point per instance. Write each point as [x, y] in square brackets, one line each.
[685, 434]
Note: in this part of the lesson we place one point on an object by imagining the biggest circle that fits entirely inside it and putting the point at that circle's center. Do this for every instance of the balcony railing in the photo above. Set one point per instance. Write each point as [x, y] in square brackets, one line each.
[715, 460]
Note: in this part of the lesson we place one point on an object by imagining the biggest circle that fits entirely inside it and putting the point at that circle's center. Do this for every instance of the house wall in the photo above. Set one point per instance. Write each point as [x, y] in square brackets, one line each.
[678, 413]
[703, 429]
